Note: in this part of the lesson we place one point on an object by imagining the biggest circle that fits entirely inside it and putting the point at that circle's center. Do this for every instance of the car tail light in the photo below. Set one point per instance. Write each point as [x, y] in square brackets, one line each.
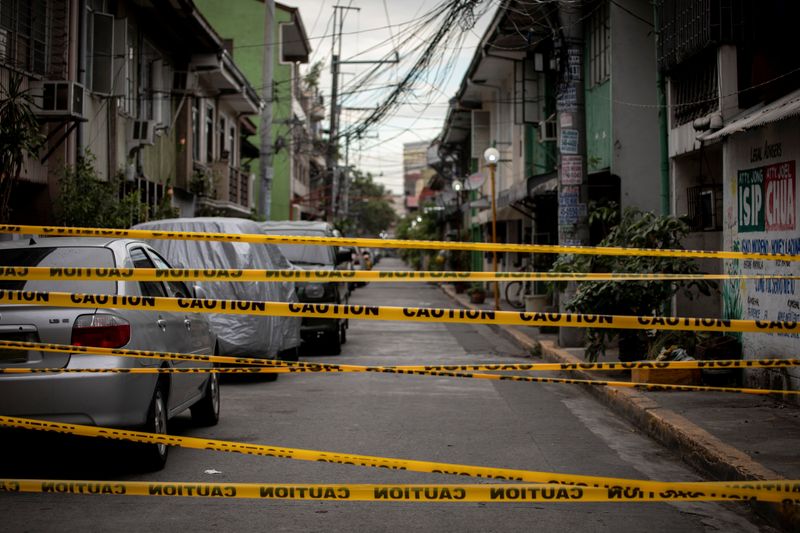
[102, 331]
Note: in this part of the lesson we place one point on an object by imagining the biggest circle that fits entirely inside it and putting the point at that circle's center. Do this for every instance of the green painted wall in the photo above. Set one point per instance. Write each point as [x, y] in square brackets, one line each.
[598, 127]
[243, 21]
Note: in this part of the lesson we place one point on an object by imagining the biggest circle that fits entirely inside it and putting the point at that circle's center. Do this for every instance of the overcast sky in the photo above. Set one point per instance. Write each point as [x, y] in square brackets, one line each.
[419, 120]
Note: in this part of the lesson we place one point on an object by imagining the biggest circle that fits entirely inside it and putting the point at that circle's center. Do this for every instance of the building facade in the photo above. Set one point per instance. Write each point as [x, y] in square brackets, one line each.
[734, 94]
[242, 23]
[147, 88]
[573, 117]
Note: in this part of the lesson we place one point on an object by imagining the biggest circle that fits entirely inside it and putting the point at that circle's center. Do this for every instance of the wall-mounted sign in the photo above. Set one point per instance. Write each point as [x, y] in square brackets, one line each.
[766, 198]
[571, 170]
[569, 141]
[567, 99]
[571, 214]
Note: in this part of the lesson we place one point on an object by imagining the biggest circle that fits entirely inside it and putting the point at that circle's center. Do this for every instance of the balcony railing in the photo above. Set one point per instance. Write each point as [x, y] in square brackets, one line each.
[232, 185]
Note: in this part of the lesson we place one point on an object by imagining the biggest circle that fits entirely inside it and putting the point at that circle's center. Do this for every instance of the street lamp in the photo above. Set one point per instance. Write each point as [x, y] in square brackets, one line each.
[457, 188]
[492, 156]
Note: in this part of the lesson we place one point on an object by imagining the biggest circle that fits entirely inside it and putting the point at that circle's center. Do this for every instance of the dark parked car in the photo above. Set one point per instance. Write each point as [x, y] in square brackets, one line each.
[331, 332]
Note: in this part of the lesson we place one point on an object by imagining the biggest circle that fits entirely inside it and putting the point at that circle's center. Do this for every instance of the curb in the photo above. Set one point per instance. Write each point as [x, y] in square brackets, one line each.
[695, 446]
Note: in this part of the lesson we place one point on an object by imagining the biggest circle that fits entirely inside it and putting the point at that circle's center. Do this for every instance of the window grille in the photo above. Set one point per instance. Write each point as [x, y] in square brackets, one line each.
[599, 46]
[694, 89]
[24, 34]
[705, 207]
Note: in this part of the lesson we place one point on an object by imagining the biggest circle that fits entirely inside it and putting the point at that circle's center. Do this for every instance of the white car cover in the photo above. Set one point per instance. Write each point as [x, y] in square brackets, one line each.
[240, 335]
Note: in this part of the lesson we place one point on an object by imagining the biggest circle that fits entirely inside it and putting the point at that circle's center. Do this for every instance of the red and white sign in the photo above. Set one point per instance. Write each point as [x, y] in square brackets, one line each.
[780, 196]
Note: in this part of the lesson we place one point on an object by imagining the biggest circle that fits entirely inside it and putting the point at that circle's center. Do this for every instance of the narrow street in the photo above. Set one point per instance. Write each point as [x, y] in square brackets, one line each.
[554, 428]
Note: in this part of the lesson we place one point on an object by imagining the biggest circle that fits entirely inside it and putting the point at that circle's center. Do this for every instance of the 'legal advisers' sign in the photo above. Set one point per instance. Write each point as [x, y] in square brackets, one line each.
[766, 198]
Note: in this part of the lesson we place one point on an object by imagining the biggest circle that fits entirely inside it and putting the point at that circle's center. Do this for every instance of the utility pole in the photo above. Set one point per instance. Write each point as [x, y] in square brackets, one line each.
[336, 53]
[265, 125]
[573, 218]
[333, 153]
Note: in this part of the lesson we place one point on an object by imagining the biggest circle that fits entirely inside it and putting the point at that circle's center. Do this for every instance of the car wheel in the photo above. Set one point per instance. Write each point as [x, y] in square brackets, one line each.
[206, 411]
[333, 342]
[153, 457]
[343, 333]
[270, 376]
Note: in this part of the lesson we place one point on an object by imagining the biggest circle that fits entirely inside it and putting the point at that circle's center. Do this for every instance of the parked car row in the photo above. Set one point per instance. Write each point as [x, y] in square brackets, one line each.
[149, 401]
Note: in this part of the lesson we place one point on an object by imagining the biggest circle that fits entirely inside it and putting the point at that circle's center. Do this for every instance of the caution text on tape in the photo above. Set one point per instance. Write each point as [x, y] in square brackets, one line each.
[57, 231]
[496, 493]
[9, 273]
[775, 491]
[331, 367]
[412, 314]
[402, 371]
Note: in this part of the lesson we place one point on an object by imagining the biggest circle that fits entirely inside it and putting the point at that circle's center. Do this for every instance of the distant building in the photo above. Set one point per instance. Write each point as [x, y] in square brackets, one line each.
[415, 172]
[241, 22]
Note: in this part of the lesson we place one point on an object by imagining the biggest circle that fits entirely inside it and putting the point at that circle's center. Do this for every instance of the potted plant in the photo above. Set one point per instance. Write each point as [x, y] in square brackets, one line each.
[477, 293]
[635, 229]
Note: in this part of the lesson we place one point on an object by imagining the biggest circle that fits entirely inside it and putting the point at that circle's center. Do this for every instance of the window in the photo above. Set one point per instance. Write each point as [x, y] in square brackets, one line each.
[177, 289]
[599, 46]
[232, 145]
[694, 90]
[24, 34]
[130, 100]
[195, 129]
[224, 151]
[150, 61]
[209, 133]
[705, 207]
[148, 288]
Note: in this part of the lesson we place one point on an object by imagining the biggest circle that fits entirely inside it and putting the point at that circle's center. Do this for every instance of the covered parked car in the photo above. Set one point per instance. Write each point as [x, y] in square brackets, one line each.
[144, 401]
[267, 337]
[331, 332]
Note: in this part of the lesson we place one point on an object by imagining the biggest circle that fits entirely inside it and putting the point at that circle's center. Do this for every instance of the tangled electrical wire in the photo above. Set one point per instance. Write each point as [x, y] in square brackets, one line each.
[446, 18]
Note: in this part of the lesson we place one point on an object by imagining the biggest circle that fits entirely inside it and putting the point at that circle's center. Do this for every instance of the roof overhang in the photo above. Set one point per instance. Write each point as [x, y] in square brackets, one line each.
[295, 46]
[788, 106]
[508, 38]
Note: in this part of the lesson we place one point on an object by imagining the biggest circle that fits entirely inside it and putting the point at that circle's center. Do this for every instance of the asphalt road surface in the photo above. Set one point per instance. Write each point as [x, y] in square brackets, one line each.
[555, 428]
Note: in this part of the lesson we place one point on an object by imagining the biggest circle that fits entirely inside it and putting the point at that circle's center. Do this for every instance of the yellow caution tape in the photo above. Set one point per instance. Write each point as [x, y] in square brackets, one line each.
[330, 367]
[253, 275]
[405, 314]
[57, 231]
[396, 370]
[775, 491]
[497, 493]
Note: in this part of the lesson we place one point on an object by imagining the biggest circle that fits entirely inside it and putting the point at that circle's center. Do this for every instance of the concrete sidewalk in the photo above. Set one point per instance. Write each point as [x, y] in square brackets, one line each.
[726, 437]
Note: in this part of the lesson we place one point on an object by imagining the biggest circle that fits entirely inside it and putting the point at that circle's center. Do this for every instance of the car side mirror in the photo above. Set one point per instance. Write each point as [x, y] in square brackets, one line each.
[200, 293]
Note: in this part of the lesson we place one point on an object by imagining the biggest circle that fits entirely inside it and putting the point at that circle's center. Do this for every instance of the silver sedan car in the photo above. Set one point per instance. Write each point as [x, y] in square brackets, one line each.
[142, 401]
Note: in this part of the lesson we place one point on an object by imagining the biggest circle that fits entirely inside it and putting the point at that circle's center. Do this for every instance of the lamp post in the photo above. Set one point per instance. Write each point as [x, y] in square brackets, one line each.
[492, 156]
[457, 188]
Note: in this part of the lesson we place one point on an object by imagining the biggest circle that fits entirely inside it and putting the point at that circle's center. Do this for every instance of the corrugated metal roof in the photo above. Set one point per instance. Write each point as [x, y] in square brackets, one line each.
[788, 106]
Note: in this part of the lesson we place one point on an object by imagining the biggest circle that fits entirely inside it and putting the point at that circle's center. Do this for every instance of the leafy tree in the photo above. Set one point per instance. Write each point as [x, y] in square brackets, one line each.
[370, 211]
[635, 229]
[88, 202]
[311, 79]
[20, 137]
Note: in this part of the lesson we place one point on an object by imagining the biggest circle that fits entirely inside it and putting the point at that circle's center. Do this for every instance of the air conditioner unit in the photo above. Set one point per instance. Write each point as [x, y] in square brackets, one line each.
[183, 82]
[201, 62]
[141, 132]
[58, 99]
[547, 130]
